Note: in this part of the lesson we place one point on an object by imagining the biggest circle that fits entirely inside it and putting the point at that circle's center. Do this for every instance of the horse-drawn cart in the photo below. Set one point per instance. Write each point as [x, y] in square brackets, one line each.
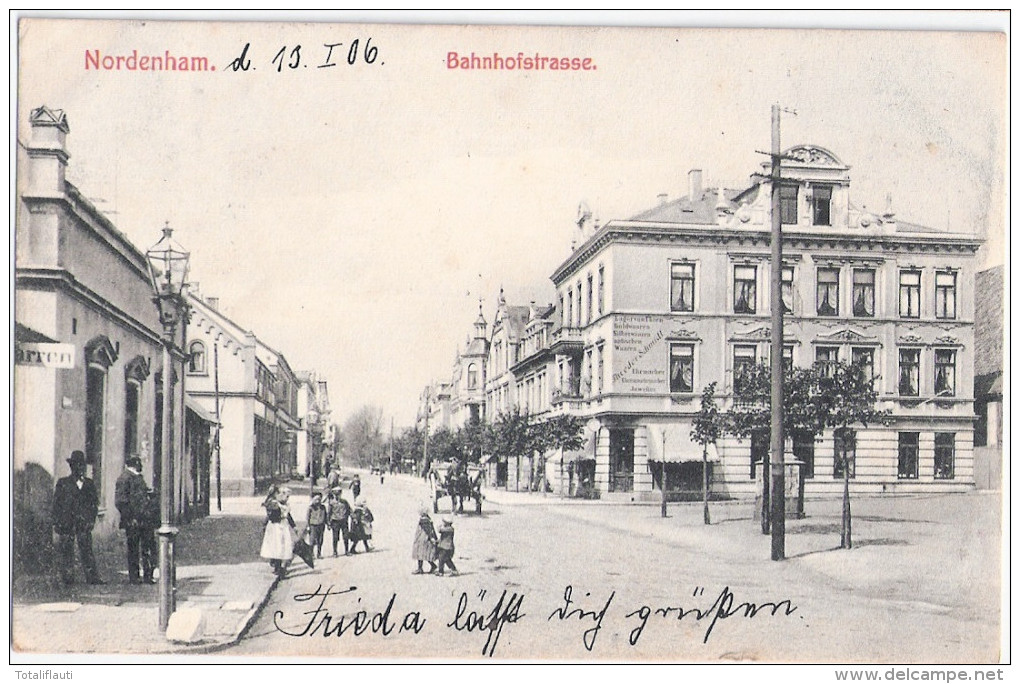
[457, 481]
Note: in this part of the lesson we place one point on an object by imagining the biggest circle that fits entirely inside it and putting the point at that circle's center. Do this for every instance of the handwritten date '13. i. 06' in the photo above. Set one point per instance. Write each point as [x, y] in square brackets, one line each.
[321, 57]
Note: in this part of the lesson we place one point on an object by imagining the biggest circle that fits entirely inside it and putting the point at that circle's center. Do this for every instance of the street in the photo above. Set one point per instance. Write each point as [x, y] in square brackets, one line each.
[550, 580]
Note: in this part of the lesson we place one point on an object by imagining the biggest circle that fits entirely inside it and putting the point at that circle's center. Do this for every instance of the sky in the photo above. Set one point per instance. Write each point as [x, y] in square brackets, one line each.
[352, 216]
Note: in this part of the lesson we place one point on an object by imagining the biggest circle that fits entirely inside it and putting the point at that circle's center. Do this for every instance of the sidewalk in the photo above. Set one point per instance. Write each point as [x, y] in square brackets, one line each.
[218, 571]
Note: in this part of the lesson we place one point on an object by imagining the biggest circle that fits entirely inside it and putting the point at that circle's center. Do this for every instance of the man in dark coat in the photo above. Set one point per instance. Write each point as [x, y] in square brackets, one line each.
[75, 507]
[130, 499]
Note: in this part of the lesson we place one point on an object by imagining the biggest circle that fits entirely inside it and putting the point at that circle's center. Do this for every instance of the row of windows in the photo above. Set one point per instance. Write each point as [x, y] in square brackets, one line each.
[827, 291]
[908, 454]
[819, 204]
[745, 356]
[587, 308]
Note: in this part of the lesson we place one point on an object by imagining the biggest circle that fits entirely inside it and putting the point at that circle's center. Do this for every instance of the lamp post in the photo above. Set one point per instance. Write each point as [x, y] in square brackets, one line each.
[168, 271]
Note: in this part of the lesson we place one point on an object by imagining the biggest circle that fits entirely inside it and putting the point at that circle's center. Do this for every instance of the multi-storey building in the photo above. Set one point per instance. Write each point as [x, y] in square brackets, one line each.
[257, 394]
[658, 306]
[467, 398]
[313, 437]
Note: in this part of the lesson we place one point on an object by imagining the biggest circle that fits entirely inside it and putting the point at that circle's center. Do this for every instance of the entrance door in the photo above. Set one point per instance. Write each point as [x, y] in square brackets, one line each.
[621, 460]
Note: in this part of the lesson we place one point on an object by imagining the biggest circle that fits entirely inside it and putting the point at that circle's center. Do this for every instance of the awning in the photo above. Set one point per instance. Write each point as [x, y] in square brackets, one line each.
[200, 411]
[678, 445]
[22, 333]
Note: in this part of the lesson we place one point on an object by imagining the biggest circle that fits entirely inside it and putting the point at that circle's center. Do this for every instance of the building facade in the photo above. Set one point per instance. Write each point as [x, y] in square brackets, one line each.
[252, 391]
[661, 305]
[88, 349]
[652, 309]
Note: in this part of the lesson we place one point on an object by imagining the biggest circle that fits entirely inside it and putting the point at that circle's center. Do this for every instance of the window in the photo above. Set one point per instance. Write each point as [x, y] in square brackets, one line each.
[131, 393]
[681, 287]
[95, 418]
[821, 201]
[196, 358]
[788, 203]
[743, 363]
[570, 310]
[759, 450]
[590, 298]
[586, 374]
[472, 376]
[844, 450]
[602, 289]
[579, 308]
[945, 372]
[945, 455]
[863, 358]
[787, 292]
[828, 356]
[804, 451]
[910, 294]
[681, 368]
[828, 292]
[744, 278]
[945, 294]
[864, 292]
[600, 373]
[910, 372]
[564, 320]
[787, 357]
[908, 448]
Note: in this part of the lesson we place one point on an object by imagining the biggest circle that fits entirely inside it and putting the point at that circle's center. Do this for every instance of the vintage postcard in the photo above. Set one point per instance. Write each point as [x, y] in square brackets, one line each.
[347, 340]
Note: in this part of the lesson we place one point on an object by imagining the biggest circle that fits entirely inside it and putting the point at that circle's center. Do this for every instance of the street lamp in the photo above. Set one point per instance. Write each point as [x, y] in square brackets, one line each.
[168, 271]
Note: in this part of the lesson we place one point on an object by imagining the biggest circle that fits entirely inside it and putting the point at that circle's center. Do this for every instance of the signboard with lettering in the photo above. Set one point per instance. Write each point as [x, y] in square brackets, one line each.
[44, 354]
[640, 353]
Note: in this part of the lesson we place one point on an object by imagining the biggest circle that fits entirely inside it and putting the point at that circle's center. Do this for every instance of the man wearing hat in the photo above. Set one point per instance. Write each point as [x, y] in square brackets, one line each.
[75, 507]
[130, 499]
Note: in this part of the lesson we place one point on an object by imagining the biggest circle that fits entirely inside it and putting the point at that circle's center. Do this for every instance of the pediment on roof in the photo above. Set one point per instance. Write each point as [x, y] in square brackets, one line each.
[813, 154]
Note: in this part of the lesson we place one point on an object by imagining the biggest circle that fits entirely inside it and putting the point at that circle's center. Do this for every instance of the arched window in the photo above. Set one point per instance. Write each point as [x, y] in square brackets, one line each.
[472, 378]
[196, 358]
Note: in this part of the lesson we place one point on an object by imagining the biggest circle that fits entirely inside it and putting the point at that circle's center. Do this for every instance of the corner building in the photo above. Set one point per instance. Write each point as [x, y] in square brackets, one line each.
[654, 308]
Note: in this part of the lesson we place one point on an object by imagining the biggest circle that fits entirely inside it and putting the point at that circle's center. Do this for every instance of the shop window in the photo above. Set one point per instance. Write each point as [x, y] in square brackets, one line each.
[759, 450]
[804, 451]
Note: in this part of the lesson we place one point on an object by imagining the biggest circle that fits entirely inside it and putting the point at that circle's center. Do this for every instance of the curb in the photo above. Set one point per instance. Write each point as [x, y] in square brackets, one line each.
[245, 624]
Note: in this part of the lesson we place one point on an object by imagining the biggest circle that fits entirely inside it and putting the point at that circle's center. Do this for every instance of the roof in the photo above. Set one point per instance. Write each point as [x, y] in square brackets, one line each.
[516, 320]
[22, 333]
[683, 210]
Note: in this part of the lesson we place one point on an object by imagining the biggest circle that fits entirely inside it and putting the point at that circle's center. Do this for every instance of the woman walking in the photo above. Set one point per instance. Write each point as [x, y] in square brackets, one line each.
[278, 538]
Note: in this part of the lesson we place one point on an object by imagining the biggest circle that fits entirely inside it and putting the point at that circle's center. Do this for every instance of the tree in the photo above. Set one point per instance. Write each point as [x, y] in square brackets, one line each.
[362, 436]
[751, 413]
[563, 432]
[708, 428]
[510, 436]
[849, 399]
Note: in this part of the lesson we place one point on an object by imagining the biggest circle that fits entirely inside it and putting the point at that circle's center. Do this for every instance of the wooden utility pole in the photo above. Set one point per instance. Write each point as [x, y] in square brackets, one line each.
[778, 465]
[216, 397]
[663, 472]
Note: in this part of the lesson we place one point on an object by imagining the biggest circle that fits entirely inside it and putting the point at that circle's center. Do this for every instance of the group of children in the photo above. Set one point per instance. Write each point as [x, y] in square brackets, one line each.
[353, 525]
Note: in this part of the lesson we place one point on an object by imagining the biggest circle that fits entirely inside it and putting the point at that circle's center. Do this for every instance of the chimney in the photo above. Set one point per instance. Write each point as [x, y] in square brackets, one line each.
[662, 196]
[694, 184]
[213, 302]
[47, 151]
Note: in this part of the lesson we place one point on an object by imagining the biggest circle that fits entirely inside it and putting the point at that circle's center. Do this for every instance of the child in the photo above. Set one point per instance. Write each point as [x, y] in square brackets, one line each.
[339, 518]
[278, 540]
[361, 526]
[424, 548]
[445, 547]
[317, 523]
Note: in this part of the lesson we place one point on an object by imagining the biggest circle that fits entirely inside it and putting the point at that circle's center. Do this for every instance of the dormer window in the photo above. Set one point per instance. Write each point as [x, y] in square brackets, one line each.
[788, 203]
[821, 201]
